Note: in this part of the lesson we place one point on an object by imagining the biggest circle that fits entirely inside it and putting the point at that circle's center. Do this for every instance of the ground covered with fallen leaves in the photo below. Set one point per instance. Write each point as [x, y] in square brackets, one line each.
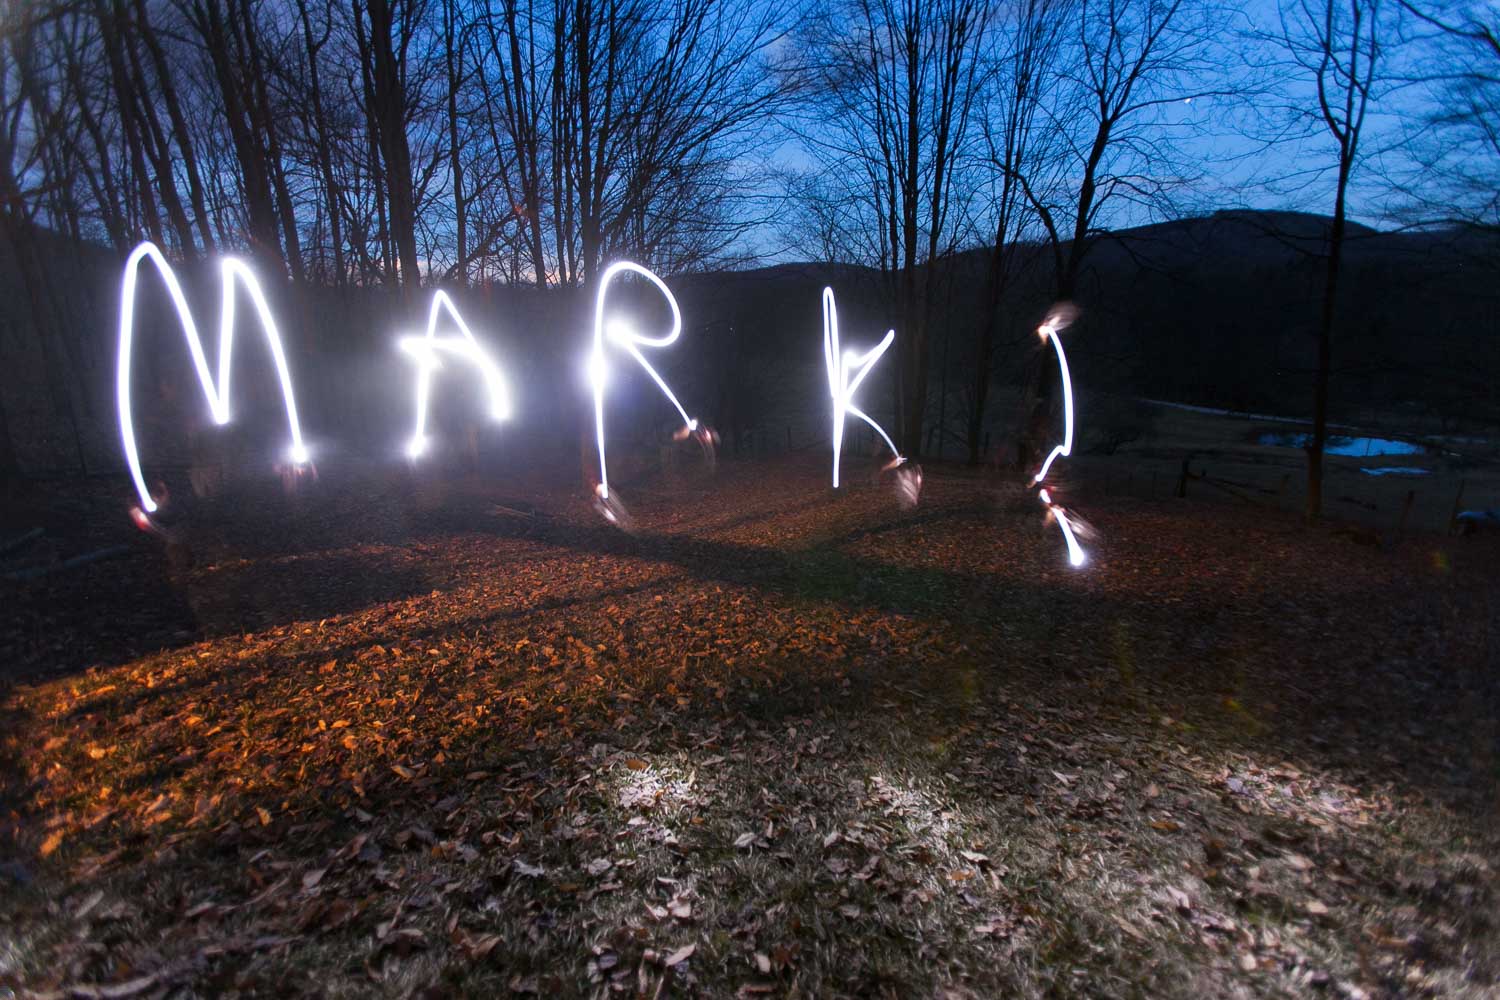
[461, 737]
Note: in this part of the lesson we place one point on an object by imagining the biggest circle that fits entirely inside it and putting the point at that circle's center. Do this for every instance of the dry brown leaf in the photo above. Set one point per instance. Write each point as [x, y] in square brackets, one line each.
[474, 946]
[53, 841]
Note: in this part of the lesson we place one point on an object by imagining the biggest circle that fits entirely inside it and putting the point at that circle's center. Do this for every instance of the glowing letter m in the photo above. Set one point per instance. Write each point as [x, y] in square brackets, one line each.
[217, 394]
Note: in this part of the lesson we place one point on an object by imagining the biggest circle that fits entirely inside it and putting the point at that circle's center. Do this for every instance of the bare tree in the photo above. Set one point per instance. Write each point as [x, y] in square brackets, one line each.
[1126, 70]
[1021, 81]
[317, 129]
[385, 30]
[657, 108]
[1454, 171]
[1130, 64]
[1339, 46]
[230, 37]
[32, 132]
[891, 85]
[182, 140]
[516, 103]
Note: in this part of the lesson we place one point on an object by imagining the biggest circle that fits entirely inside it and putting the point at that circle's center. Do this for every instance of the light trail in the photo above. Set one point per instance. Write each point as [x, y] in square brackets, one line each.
[232, 270]
[621, 335]
[1076, 554]
[1051, 329]
[424, 350]
[846, 370]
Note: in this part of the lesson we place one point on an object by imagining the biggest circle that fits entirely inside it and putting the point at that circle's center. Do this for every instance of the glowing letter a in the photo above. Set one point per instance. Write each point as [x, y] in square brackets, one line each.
[425, 351]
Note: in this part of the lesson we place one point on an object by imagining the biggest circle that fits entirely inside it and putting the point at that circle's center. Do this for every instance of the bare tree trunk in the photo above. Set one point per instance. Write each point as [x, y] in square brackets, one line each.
[125, 99]
[263, 119]
[1340, 45]
[19, 231]
[157, 149]
[324, 145]
[1033, 46]
[105, 189]
[376, 168]
[179, 123]
[20, 234]
[1325, 352]
[583, 62]
[913, 312]
[226, 50]
[984, 349]
[387, 98]
[527, 135]
[10, 463]
[452, 55]
[900, 101]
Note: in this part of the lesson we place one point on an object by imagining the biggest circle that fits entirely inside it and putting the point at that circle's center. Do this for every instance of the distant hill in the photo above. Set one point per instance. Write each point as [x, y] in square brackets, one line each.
[1217, 311]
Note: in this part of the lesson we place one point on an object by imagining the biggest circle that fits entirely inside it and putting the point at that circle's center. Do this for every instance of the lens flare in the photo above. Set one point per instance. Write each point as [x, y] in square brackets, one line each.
[424, 350]
[232, 271]
[1051, 329]
[846, 370]
[625, 337]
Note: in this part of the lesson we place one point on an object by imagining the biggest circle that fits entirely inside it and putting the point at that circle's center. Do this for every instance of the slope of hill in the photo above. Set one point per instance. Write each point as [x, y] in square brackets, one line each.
[1221, 311]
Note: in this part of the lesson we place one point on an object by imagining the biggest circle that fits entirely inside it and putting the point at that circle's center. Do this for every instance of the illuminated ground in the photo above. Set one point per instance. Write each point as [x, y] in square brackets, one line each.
[776, 743]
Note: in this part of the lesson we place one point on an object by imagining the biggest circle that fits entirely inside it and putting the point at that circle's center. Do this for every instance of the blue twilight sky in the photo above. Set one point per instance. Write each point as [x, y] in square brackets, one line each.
[1225, 158]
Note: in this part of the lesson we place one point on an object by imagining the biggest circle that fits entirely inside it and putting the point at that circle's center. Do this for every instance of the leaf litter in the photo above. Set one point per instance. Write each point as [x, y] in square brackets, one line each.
[771, 748]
